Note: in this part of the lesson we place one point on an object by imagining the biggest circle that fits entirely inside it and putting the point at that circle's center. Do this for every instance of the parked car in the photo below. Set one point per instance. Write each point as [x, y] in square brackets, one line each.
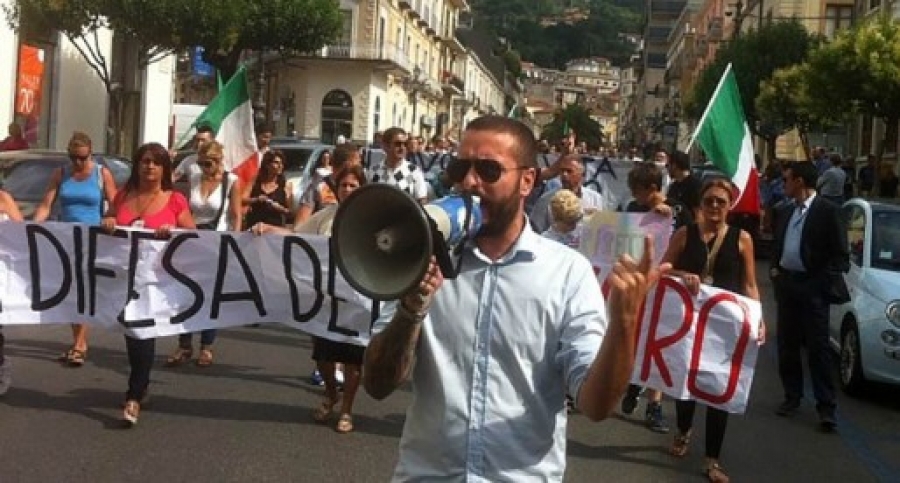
[866, 331]
[301, 157]
[26, 174]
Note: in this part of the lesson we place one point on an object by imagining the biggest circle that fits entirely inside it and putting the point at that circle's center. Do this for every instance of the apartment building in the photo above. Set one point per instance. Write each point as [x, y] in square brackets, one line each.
[52, 91]
[396, 63]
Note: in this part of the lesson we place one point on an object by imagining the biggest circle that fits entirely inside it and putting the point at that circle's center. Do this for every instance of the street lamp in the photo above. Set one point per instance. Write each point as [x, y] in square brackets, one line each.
[413, 85]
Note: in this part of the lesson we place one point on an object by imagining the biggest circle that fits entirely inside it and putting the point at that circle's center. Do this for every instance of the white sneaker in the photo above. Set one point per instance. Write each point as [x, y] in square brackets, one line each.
[339, 376]
[5, 376]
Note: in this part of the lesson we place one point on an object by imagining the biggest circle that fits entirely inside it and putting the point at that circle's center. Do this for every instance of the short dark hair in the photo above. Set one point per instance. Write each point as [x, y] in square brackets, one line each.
[390, 134]
[804, 170]
[645, 174]
[205, 128]
[680, 160]
[525, 142]
[836, 159]
[356, 171]
[341, 155]
[263, 127]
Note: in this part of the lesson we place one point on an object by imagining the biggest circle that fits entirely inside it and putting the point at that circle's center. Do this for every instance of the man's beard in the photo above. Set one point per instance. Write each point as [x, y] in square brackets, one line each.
[501, 214]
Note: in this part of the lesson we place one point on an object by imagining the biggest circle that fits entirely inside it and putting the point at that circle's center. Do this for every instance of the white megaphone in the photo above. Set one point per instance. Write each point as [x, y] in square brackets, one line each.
[383, 239]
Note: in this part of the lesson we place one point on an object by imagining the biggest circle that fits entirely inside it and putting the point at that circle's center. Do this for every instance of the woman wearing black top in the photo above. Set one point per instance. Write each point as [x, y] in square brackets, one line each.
[697, 256]
[270, 198]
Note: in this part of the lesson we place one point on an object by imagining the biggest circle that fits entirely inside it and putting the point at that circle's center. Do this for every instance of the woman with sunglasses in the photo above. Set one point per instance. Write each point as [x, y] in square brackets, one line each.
[147, 201]
[215, 202]
[713, 253]
[271, 195]
[9, 211]
[80, 189]
[327, 353]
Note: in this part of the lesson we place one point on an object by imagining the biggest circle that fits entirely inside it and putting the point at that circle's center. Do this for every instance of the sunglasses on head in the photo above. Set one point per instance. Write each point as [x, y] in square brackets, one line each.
[488, 170]
[713, 201]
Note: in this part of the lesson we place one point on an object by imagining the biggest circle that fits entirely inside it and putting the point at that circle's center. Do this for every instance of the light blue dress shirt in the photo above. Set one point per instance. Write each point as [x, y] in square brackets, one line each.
[791, 258]
[501, 346]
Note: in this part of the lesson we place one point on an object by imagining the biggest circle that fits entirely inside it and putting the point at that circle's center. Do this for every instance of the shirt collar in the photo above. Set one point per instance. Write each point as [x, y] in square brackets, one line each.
[808, 202]
[523, 250]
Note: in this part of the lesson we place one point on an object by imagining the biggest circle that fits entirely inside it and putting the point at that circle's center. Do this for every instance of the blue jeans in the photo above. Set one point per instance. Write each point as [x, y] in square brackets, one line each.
[207, 337]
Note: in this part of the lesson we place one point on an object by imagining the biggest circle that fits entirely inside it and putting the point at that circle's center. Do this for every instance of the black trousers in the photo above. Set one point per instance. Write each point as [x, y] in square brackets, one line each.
[716, 423]
[803, 321]
[141, 353]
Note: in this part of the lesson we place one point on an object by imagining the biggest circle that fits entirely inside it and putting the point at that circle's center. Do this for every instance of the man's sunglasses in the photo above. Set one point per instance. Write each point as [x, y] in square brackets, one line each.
[488, 170]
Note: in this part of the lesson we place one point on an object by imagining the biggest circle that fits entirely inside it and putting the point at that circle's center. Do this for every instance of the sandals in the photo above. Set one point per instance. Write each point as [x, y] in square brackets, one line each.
[345, 424]
[74, 357]
[205, 359]
[716, 474]
[323, 412]
[680, 446]
[131, 412]
[180, 356]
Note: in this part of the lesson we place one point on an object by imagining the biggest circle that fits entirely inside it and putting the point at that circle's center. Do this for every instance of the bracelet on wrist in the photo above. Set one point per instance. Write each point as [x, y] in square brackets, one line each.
[410, 315]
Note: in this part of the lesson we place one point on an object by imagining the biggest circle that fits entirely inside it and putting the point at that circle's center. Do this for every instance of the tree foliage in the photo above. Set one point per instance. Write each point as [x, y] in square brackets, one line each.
[518, 21]
[755, 56]
[578, 119]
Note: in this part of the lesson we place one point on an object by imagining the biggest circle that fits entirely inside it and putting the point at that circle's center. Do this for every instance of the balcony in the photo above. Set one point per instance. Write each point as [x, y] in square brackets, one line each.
[404, 5]
[452, 84]
[391, 55]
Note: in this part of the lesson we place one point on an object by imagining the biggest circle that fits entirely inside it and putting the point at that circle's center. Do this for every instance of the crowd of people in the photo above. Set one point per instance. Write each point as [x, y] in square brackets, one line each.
[533, 351]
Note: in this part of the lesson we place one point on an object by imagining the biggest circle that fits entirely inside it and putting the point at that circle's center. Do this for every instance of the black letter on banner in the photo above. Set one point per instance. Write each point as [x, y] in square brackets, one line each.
[193, 286]
[335, 301]
[218, 297]
[93, 271]
[34, 263]
[286, 257]
[136, 237]
[605, 166]
[79, 266]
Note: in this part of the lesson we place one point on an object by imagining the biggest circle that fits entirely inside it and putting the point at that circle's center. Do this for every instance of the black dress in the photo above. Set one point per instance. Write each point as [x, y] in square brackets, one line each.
[265, 212]
[728, 274]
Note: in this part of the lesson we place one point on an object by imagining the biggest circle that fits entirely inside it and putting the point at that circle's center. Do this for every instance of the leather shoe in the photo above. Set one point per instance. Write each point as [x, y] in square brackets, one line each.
[788, 408]
[827, 421]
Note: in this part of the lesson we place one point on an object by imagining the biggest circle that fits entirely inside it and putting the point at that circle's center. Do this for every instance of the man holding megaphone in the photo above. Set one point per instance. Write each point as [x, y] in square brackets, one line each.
[493, 351]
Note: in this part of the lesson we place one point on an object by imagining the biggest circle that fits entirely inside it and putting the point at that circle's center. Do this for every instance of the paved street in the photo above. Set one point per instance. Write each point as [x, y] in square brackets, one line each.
[248, 419]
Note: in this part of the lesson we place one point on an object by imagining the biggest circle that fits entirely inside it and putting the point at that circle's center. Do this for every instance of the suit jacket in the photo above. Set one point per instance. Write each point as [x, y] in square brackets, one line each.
[823, 243]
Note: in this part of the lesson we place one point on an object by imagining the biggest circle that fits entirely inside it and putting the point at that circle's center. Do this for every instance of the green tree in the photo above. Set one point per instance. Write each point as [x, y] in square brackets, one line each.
[755, 57]
[859, 72]
[576, 118]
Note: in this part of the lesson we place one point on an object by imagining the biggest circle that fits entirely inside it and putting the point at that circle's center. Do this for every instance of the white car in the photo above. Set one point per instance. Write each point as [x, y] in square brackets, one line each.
[866, 330]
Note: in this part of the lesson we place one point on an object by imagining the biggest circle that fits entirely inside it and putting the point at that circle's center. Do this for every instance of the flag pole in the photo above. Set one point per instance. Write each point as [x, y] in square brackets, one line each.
[708, 106]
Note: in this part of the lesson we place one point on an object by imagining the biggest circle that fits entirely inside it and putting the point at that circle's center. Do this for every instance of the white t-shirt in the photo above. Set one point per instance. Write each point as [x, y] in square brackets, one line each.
[205, 210]
[188, 166]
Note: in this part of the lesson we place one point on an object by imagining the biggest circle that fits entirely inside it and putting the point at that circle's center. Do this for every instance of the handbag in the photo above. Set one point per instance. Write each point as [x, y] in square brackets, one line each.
[215, 221]
[836, 292]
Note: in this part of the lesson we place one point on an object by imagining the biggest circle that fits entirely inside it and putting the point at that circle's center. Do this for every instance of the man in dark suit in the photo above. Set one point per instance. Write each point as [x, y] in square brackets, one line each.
[810, 244]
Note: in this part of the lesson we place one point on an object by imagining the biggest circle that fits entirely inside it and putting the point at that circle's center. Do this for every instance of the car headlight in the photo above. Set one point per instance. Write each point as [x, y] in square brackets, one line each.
[892, 312]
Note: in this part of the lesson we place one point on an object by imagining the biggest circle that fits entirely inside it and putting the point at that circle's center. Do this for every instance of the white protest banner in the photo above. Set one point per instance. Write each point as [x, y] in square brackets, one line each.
[611, 174]
[701, 348]
[61, 273]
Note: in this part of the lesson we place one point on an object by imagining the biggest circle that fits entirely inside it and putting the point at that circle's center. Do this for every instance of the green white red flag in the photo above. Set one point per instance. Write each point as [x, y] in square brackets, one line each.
[230, 114]
[725, 137]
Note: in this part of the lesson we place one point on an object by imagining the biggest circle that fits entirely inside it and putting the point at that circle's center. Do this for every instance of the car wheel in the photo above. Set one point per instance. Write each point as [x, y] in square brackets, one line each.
[852, 379]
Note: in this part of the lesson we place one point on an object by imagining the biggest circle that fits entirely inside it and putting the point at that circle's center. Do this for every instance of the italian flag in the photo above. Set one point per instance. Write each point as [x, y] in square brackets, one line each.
[725, 138]
[231, 117]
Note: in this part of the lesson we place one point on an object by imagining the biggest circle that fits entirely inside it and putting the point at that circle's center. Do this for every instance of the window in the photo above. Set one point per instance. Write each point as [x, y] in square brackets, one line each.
[873, 4]
[346, 27]
[837, 17]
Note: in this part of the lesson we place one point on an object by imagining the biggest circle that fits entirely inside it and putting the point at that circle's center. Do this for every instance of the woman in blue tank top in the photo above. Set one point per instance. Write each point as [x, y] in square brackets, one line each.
[80, 190]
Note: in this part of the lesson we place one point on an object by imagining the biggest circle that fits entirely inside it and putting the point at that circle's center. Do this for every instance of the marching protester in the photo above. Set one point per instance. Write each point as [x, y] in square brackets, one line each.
[328, 353]
[396, 170]
[711, 253]
[489, 395]
[271, 195]
[685, 186]
[810, 253]
[571, 175]
[566, 214]
[188, 165]
[9, 211]
[645, 182]
[80, 190]
[215, 203]
[16, 140]
[832, 180]
[147, 201]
